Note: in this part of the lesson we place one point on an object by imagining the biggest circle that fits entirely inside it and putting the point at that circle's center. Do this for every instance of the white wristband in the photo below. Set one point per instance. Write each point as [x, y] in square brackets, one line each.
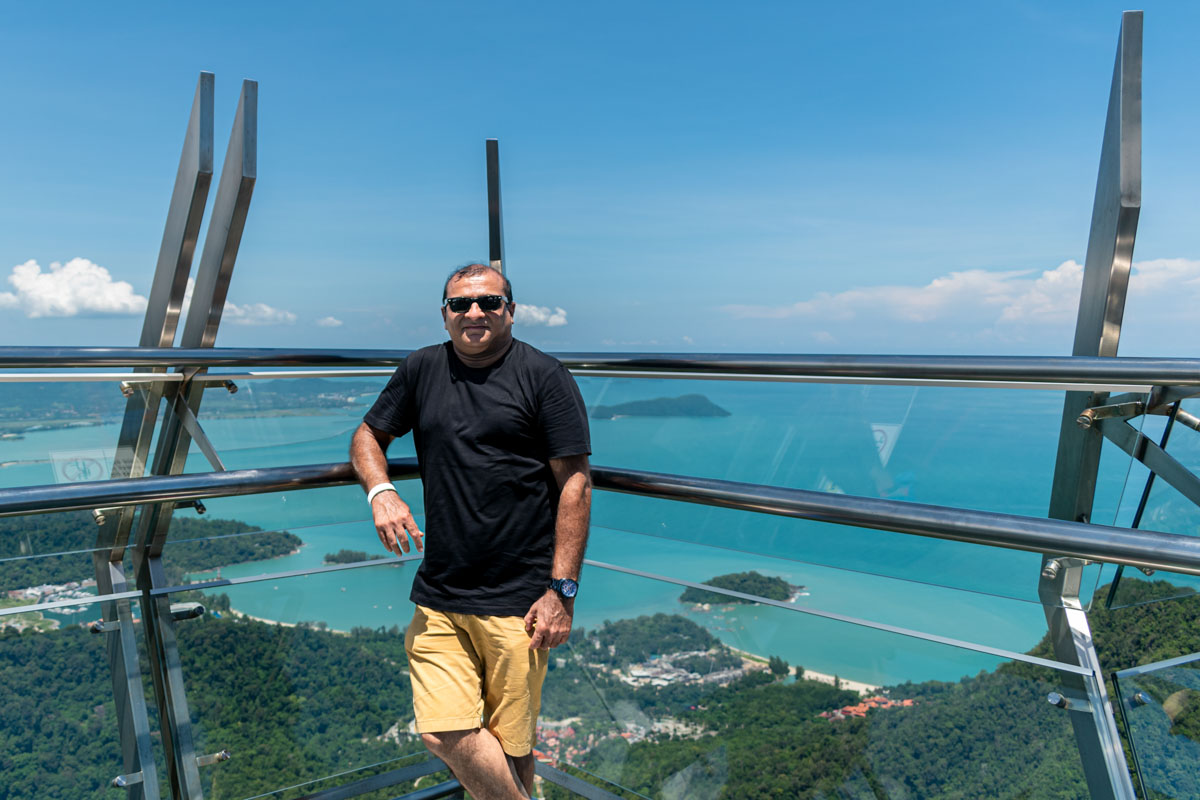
[379, 489]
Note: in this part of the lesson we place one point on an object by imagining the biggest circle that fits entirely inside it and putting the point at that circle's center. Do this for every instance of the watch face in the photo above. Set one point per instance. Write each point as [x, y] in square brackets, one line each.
[565, 587]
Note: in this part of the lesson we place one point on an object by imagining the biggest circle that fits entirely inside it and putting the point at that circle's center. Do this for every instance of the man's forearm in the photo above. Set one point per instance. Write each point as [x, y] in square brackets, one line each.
[368, 458]
[571, 525]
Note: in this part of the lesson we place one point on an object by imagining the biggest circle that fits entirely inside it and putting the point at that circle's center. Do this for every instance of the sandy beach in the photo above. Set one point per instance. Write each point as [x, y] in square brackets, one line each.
[812, 675]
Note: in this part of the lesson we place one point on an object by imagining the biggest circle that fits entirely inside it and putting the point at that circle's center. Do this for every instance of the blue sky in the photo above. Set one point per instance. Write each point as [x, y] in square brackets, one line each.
[782, 177]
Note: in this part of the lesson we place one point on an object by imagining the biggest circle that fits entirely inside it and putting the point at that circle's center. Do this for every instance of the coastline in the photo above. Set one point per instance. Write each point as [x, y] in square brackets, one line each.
[233, 612]
[865, 689]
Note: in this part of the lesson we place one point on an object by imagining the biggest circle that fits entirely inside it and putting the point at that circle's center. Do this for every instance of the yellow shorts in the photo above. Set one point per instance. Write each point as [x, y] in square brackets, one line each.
[469, 671]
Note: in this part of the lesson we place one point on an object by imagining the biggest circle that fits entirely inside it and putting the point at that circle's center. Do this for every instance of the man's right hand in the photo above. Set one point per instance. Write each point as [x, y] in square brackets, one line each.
[394, 523]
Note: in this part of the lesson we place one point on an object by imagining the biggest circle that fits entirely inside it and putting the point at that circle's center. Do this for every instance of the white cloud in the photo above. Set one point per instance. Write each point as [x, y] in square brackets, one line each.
[994, 301]
[256, 314]
[941, 296]
[67, 290]
[330, 322]
[540, 315]
[234, 314]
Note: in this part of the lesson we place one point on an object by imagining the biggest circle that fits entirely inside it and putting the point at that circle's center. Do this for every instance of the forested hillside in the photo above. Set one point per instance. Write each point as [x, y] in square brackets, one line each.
[654, 703]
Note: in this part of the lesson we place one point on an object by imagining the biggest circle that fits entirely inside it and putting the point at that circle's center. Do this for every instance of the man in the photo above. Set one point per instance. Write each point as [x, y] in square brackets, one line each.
[502, 444]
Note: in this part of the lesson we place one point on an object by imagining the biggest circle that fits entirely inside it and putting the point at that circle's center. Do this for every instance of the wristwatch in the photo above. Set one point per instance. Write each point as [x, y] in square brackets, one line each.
[565, 587]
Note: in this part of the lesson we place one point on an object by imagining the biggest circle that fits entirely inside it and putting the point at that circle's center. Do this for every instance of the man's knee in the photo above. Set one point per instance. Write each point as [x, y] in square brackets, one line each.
[445, 741]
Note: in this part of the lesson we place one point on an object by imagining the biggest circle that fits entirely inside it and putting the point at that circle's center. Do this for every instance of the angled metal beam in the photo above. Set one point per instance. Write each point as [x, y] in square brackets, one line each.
[225, 227]
[495, 216]
[180, 233]
[1106, 272]
[1115, 212]
[182, 230]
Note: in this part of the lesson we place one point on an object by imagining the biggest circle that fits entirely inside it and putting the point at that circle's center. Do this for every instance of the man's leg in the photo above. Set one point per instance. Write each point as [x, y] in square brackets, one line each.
[478, 762]
[522, 767]
[447, 682]
[512, 678]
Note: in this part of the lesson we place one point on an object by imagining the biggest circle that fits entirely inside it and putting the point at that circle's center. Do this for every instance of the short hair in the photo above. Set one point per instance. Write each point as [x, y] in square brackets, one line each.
[471, 270]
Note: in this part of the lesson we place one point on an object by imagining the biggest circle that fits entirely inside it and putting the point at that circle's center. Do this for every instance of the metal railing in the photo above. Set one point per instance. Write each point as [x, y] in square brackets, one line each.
[1145, 549]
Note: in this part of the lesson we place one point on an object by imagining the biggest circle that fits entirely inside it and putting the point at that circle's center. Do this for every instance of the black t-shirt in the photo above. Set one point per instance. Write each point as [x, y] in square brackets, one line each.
[484, 438]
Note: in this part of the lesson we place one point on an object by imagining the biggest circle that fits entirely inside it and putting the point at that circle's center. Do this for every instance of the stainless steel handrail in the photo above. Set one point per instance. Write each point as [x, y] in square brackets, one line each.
[1024, 369]
[1138, 548]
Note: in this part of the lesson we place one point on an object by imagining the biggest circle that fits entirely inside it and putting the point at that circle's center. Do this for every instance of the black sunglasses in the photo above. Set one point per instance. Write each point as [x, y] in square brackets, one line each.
[488, 302]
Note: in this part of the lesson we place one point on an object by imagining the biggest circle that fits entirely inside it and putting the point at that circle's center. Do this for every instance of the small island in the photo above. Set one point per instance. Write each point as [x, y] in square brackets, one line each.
[746, 582]
[350, 557]
[688, 405]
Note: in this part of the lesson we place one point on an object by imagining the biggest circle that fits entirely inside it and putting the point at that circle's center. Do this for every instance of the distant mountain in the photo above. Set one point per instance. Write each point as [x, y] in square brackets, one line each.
[688, 405]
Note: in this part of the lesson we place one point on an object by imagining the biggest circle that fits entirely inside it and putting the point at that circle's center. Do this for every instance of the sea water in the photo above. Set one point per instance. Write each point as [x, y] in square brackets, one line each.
[968, 448]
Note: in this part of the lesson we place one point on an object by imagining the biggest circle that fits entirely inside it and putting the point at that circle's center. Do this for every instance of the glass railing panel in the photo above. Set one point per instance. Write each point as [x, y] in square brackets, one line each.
[48, 557]
[1165, 509]
[60, 732]
[325, 694]
[987, 619]
[1160, 706]
[58, 431]
[986, 448]
[278, 532]
[975, 568]
[655, 704]
[277, 422]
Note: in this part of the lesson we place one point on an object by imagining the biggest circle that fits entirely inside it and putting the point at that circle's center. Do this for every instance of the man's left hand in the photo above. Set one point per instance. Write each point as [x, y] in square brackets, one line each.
[549, 620]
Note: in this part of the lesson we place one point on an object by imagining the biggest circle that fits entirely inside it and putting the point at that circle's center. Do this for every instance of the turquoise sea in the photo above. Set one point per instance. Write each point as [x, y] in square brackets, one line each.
[974, 448]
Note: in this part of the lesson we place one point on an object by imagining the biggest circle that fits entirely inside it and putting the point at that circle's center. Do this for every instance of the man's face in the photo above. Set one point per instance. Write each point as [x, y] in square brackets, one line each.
[475, 331]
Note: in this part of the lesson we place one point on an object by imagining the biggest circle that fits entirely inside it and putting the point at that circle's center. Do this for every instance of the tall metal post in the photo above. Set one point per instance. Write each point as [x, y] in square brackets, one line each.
[180, 234]
[495, 217]
[1098, 329]
[230, 208]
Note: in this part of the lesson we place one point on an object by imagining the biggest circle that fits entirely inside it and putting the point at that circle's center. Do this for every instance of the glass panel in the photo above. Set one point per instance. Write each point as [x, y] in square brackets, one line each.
[58, 431]
[658, 705]
[1160, 704]
[240, 536]
[975, 568]
[299, 702]
[1166, 510]
[269, 423]
[59, 727]
[47, 557]
[990, 449]
[980, 618]
[987, 449]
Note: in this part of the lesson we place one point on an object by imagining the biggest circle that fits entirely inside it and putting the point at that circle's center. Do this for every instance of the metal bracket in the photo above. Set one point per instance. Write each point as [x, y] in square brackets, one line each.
[123, 781]
[213, 758]
[1052, 566]
[1124, 410]
[1080, 704]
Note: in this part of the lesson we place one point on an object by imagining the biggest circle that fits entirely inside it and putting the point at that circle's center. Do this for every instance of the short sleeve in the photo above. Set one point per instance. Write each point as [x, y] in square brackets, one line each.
[393, 409]
[563, 416]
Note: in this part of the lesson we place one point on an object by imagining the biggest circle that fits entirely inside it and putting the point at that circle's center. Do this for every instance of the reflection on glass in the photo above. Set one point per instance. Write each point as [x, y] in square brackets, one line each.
[659, 706]
[1160, 704]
